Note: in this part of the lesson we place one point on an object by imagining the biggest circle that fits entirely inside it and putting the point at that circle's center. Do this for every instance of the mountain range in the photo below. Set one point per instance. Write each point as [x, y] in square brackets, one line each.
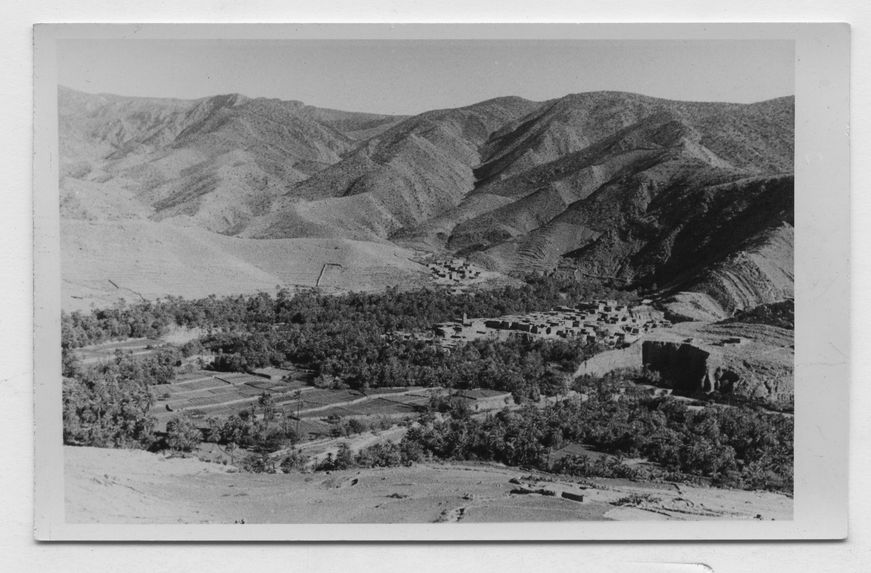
[690, 200]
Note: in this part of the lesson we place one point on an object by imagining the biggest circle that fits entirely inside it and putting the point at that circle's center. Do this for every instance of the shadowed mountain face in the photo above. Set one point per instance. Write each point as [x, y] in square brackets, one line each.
[682, 196]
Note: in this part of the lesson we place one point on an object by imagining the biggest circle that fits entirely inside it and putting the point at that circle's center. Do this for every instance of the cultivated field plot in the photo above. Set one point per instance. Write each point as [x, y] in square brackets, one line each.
[411, 399]
[394, 390]
[325, 397]
[221, 390]
[182, 377]
[382, 406]
[268, 386]
[106, 350]
[385, 402]
[339, 411]
[197, 384]
[312, 427]
[205, 393]
[223, 394]
[236, 377]
[575, 449]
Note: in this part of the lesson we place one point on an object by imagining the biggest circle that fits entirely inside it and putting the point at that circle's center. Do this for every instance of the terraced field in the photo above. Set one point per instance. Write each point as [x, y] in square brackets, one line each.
[106, 351]
[205, 393]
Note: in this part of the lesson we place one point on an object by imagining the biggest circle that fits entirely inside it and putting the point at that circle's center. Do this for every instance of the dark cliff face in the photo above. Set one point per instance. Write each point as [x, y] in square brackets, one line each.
[691, 369]
[686, 367]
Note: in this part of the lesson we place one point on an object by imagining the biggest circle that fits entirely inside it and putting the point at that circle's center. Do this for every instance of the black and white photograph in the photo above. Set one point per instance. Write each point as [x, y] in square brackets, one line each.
[443, 281]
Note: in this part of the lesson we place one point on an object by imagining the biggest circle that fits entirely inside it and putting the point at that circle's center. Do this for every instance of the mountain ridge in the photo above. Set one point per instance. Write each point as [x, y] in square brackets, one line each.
[605, 183]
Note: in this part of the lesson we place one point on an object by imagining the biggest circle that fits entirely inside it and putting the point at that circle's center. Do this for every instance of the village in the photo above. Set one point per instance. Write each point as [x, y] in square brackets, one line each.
[599, 322]
[457, 275]
[452, 270]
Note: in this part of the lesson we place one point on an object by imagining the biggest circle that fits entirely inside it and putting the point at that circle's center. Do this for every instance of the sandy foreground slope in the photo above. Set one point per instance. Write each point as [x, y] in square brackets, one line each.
[126, 486]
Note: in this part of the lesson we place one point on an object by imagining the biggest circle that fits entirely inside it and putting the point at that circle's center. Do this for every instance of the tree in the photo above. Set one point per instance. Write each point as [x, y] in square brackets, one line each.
[108, 406]
[295, 460]
[182, 434]
[258, 463]
[267, 406]
[344, 458]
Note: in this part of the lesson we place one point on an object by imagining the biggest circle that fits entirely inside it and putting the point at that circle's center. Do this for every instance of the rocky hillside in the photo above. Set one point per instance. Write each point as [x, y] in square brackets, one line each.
[412, 172]
[214, 162]
[667, 195]
[691, 200]
[780, 314]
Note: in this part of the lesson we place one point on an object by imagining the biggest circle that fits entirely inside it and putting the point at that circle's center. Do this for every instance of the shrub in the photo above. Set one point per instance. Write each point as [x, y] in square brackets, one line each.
[386, 454]
[182, 434]
[637, 499]
[258, 463]
[295, 460]
[343, 459]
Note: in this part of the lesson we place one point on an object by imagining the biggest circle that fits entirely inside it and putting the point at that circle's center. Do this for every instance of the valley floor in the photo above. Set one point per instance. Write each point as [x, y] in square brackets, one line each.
[137, 487]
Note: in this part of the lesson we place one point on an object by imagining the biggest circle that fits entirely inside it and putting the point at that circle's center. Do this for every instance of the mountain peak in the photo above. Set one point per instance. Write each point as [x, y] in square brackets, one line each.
[228, 100]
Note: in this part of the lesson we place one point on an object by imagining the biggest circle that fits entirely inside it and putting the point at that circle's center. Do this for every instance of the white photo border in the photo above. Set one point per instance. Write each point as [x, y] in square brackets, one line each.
[822, 287]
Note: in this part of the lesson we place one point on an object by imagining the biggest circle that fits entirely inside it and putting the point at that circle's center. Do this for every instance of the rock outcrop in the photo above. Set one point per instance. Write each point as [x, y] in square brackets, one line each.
[689, 368]
[750, 361]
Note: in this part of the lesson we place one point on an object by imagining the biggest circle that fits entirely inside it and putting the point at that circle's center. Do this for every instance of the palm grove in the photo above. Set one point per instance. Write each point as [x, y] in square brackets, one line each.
[349, 341]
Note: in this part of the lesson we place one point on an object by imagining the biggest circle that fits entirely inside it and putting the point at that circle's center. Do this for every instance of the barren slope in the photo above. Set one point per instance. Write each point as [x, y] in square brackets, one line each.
[104, 261]
[125, 486]
[412, 172]
[686, 197]
[757, 137]
[217, 161]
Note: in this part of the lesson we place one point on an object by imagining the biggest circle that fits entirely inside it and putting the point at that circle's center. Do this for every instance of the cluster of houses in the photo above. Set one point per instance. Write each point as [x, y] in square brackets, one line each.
[453, 270]
[605, 322]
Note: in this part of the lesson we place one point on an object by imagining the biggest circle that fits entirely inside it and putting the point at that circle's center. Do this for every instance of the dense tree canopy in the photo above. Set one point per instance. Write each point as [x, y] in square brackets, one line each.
[732, 446]
[353, 341]
[349, 340]
[380, 312]
[108, 405]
